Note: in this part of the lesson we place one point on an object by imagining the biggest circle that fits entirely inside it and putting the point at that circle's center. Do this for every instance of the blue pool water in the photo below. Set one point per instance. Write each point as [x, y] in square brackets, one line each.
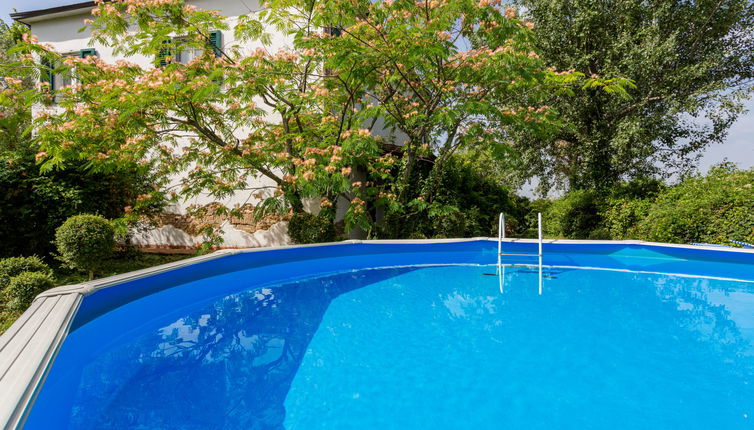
[414, 347]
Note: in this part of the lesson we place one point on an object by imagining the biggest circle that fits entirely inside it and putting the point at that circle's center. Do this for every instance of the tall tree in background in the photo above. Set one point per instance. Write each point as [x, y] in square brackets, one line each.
[691, 62]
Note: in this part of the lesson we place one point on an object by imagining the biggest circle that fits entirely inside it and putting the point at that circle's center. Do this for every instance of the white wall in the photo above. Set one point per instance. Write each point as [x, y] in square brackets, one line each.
[61, 32]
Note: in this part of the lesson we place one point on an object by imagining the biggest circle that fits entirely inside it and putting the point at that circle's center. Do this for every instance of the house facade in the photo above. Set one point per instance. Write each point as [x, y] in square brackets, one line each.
[59, 27]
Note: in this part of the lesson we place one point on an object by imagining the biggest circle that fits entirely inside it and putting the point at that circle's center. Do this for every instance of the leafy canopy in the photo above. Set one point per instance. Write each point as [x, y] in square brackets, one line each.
[352, 85]
[690, 61]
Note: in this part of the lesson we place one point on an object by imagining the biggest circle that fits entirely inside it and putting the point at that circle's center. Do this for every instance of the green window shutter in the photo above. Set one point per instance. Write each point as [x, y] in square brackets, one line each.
[164, 54]
[45, 72]
[87, 52]
[333, 31]
[216, 40]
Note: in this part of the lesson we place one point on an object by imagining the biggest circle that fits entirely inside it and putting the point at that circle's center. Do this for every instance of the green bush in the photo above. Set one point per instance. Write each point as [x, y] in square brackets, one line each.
[10, 267]
[23, 287]
[713, 208]
[622, 215]
[34, 204]
[452, 224]
[598, 214]
[307, 228]
[574, 216]
[638, 188]
[628, 205]
[467, 201]
[84, 242]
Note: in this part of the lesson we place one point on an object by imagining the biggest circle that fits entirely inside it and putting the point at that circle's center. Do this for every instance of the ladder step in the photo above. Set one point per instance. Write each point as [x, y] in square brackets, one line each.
[520, 255]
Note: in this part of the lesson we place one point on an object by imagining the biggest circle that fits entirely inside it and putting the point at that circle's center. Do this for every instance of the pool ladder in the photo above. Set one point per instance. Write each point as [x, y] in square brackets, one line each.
[500, 253]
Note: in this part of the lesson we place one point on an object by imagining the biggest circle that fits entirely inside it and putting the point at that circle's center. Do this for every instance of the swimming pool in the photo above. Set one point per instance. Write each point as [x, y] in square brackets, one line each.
[412, 335]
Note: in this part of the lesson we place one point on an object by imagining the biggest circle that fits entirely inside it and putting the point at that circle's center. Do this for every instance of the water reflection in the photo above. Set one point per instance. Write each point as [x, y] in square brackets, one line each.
[705, 311]
[227, 365]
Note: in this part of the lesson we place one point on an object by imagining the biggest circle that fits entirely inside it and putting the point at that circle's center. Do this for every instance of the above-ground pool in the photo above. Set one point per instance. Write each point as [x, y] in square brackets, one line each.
[412, 336]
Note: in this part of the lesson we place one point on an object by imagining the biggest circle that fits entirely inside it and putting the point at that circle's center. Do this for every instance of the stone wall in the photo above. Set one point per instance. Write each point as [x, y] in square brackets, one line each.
[183, 231]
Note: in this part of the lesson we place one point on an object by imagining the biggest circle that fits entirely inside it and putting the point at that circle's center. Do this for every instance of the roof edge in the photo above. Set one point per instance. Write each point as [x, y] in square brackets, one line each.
[22, 16]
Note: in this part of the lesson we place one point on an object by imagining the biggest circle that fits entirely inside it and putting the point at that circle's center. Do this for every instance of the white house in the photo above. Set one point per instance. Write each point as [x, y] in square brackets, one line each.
[59, 28]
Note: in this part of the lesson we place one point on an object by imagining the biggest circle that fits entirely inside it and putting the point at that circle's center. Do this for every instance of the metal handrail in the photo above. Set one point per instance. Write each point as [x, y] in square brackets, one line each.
[500, 253]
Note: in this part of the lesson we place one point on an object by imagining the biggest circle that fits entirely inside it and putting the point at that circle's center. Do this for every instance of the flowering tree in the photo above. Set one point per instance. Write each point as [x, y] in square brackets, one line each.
[441, 74]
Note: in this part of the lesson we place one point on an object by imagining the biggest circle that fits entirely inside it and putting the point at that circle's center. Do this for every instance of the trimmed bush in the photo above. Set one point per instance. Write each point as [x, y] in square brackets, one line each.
[84, 242]
[23, 287]
[10, 267]
[307, 228]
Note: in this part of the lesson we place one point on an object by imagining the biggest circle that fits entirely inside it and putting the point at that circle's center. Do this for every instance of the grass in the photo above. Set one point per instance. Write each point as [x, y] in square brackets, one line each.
[121, 263]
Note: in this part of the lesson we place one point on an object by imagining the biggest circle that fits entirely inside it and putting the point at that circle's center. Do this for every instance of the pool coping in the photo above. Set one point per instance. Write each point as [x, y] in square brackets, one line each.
[32, 342]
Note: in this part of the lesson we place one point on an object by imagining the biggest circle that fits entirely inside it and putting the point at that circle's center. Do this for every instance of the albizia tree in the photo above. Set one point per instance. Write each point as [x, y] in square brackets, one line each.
[443, 74]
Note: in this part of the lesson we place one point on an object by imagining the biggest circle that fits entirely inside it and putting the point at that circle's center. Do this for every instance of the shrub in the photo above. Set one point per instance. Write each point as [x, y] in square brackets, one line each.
[466, 202]
[574, 216]
[84, 242]
[45, 200]
[713, 208]
[452, 224]
[10, 267]
[307, 228]
[622, 215]
[638, 188]
[600, 214]
[23, 287]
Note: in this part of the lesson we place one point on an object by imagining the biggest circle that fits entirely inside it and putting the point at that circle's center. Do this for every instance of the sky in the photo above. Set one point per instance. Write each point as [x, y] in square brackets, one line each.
[738, 147]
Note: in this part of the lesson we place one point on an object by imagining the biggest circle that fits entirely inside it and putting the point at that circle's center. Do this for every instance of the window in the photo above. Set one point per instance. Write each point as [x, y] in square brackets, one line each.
[333, 31]
[187, 54]
[58, 80]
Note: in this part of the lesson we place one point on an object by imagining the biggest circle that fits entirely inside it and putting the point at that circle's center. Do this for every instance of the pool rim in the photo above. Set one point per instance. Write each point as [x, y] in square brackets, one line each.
[30, 345]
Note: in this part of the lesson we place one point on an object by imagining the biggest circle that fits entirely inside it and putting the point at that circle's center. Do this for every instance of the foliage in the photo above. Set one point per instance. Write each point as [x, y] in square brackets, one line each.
[466, 204]
[14, 113]
[84, 242]
[628, 204]
[575, 216]
[592, 214]
[686, 59]
[432, 77]
[10, 267]
[33, 204]
[714, 208]
[622, 215]
[304, 227]
[24, 287]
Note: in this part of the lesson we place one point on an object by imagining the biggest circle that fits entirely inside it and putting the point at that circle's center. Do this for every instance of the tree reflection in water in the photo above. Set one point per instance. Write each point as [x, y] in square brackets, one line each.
[232, 361]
